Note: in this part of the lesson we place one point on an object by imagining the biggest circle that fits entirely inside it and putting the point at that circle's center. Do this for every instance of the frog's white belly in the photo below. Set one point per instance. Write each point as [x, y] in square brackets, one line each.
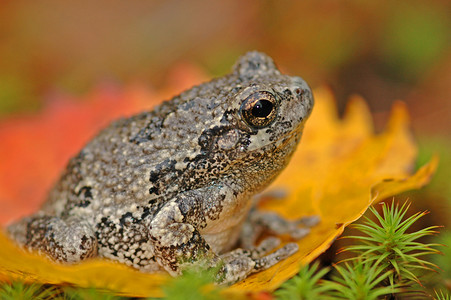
[223, 241]
[222, 234]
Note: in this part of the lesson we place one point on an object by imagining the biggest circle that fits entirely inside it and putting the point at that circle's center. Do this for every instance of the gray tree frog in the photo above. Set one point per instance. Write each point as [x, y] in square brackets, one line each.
[166, 187]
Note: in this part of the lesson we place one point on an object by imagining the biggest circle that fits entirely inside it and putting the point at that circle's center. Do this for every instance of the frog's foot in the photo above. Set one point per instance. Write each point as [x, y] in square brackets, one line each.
[240, 263]
[275, 224]
[68, 240]
[259, 222]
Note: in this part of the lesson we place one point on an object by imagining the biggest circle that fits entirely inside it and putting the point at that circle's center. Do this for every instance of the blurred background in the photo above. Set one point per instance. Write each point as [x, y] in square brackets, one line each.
[383, 50]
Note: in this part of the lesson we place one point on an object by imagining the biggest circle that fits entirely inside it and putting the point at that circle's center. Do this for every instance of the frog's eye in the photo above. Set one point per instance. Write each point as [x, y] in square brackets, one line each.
[259, 109]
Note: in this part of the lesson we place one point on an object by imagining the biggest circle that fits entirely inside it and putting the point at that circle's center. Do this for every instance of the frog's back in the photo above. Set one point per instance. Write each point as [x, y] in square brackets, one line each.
[147, 157]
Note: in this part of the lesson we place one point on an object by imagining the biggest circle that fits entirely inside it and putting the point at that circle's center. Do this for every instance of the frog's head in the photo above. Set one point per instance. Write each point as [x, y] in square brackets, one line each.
[266, 117]
[272, 106]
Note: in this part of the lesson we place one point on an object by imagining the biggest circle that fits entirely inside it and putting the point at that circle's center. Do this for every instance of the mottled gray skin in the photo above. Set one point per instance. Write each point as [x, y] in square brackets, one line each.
[163, 188]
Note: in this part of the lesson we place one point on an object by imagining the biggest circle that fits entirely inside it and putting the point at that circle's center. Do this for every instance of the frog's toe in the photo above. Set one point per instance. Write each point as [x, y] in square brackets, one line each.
[309, 221]
[265, 247]
[299, 233]
[240, 263]
[275, 257]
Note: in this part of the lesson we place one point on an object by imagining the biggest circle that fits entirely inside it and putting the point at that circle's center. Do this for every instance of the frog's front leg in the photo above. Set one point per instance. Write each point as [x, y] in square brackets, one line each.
[176, 232]
[65, 240]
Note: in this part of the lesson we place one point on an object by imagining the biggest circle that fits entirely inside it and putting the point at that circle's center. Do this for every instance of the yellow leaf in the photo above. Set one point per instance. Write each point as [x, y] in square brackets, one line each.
[340, 168]
[16, 264]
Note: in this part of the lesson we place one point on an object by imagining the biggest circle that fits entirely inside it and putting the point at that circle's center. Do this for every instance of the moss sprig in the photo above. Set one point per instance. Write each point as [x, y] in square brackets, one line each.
[389, 242]
[442, 296]
[389, 259]
[20, 290]
[195, 283]
[360, 280]
[305, 285]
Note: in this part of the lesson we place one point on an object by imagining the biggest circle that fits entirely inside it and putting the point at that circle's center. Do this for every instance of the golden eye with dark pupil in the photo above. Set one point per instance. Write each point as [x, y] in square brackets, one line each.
[262, 108]
[259, 109]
